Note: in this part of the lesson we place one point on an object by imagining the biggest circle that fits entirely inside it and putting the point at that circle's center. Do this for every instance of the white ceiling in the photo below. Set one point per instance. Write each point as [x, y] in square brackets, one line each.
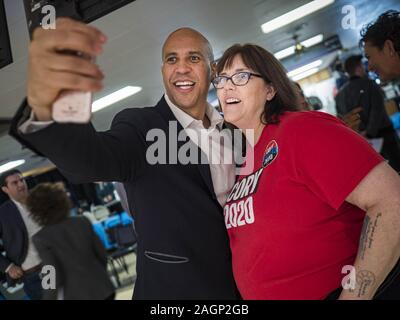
[136, 33]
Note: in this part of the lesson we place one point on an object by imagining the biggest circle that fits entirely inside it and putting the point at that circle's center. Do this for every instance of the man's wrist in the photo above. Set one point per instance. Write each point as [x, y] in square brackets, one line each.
[364, 290]
[39, 114]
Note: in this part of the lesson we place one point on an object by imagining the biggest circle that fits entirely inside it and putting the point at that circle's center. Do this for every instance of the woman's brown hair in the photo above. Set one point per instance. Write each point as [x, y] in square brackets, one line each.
[264, 63]
[48, 203]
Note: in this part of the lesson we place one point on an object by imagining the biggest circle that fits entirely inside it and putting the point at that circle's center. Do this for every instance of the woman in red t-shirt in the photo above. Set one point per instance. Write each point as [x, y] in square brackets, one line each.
[315, 208]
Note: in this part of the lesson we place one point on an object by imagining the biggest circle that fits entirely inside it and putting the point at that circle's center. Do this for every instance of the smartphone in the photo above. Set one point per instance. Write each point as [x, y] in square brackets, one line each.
[73, 106]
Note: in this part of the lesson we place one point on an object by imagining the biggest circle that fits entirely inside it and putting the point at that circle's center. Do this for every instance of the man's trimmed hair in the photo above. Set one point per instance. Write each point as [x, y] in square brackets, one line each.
[5, 175]
[210, 53]
[352, 63]
[386, 27]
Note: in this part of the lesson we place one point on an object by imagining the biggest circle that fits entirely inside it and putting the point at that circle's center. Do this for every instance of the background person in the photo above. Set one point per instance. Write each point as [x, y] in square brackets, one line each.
[70, 245]
[381, 42]
[362, 92]
[21, 262]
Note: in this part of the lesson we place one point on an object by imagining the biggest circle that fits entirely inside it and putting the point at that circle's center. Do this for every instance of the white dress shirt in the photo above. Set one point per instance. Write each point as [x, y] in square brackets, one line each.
[31, 125]
[32, 258]
[213, 144]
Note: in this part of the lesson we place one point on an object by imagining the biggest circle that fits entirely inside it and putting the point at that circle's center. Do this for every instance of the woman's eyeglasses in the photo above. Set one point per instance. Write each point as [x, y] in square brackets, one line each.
[238, 79]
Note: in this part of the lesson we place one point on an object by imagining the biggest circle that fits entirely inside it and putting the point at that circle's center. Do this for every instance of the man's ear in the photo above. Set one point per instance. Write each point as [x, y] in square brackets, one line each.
[389, 45]
[5, 190]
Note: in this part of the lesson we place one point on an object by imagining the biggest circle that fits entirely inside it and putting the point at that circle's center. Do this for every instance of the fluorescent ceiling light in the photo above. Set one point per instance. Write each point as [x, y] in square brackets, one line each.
[313, 41]
[285, 53]
[11, 165]
[306, 43]
[114, 97]
[295, 14]
[305, 68]
[305, 74]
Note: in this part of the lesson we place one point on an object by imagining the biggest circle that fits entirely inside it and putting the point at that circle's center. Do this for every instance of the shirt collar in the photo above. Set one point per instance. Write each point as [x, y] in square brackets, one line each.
[19, 205]
[216, 120]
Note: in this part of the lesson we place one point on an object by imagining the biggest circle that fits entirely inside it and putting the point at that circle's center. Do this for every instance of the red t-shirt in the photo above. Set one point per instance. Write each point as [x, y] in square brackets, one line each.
[291, 231]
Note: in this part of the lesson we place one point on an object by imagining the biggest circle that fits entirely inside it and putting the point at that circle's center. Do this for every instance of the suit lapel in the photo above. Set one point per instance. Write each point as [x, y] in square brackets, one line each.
[203, 167]
[16, 215]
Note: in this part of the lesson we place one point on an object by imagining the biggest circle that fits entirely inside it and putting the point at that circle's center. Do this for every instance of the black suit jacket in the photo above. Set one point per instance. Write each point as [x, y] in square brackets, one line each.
[183, 246]
[13, 234]
[79, 258]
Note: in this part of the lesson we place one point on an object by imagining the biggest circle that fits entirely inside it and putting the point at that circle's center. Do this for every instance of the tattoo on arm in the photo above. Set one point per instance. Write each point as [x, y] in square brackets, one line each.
[365, 280]
[364, 236]
[373, 229]
[367, 234]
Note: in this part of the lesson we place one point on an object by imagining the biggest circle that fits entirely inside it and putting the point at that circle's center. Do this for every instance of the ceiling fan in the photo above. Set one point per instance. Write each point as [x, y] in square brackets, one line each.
[299, 48]
[295, 45]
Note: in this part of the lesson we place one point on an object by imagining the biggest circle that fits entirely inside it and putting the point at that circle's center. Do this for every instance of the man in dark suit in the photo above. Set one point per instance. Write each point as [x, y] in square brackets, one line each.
[21, 262]
[183, 247]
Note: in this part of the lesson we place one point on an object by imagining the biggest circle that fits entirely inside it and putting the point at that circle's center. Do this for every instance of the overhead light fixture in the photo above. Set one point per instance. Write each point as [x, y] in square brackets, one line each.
[114, 97]
[305, 74]
[11, 165]
[285, 53]
[313, 41]
[306, 43]
[295, 14]
[305, 68]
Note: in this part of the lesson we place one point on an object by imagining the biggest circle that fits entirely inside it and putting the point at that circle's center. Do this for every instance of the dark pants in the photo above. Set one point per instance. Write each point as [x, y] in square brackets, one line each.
[33, 285]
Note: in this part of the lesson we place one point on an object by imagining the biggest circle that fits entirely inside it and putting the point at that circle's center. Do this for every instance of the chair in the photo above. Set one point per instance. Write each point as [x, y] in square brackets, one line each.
[102, 234]
[124, 236]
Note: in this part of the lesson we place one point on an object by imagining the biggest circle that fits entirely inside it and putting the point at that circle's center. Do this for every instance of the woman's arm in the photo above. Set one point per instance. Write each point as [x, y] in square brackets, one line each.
[379, 249]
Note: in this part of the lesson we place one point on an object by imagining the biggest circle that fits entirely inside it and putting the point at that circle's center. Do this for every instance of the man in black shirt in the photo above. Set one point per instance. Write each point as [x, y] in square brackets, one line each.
[360, 91]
